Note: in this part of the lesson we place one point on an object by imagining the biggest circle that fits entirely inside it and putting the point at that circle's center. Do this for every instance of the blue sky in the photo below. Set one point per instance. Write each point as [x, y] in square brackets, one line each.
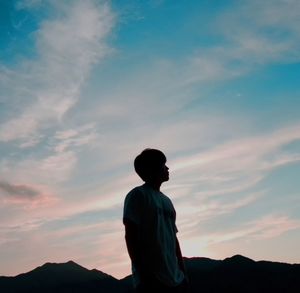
[87, 85]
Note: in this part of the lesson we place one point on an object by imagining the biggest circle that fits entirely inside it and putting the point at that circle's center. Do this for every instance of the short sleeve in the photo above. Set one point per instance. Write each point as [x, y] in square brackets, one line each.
[133, 207]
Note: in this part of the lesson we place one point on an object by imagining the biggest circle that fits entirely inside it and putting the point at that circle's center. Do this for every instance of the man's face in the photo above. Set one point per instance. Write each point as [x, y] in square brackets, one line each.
[163, 173]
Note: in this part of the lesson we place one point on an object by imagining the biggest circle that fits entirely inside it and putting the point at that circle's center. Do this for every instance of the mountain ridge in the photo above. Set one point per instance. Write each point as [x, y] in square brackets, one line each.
[232, 274]
[59, 277]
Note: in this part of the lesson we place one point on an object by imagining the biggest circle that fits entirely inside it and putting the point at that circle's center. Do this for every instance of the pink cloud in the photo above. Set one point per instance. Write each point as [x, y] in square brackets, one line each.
[28, 196]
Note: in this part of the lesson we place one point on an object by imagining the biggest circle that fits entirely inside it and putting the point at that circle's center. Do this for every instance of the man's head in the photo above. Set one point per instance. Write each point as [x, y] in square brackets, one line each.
[150, 165]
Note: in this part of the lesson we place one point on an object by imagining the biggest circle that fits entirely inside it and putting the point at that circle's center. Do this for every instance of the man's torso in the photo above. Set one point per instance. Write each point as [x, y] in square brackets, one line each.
[154, 214]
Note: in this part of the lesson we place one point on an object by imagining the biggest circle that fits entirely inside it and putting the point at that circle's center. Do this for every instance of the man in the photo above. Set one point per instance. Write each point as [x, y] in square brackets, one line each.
[150, 230]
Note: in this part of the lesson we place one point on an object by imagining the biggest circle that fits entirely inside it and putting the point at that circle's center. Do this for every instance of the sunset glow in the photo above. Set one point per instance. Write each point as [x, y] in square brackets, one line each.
[86, 85]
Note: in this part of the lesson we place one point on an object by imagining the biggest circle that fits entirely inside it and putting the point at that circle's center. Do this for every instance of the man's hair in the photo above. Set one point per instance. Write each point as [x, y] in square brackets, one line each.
[148, 162]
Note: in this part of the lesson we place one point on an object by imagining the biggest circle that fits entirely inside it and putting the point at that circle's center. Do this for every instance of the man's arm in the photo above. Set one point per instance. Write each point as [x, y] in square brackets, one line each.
[131, 237]
[180, 258]
[135, 251]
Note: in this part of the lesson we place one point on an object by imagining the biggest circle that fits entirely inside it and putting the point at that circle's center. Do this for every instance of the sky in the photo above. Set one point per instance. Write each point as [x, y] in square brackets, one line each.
[85, 86]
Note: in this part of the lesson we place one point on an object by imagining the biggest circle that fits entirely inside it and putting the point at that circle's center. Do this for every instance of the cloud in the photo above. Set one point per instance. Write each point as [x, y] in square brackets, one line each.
[248, 151]
[193, 215]
[266, 31]
[49, 170]
[38, 93]
[222, 180]
[25, 196]
[74, 138]
[232, 167]
[28, 4]
[88, 242]
[231, 239]
[57, 164]
[269, 226]
[85, 159]
[68, 45]
[20, 191]
[252, 34]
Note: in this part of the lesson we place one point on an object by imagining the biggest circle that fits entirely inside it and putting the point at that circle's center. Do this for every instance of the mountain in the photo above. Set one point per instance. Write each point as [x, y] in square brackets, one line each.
[239, 274]
[235, 274]
[242, 274]
[60, 278]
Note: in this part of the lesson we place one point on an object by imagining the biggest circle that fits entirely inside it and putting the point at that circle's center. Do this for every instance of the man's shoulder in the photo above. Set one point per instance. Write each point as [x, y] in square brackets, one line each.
[136, 191]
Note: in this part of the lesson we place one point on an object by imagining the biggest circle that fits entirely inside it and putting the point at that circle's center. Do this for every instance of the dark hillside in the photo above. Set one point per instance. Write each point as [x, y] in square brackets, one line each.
[235, 274]
[61, 278]
[241, 274]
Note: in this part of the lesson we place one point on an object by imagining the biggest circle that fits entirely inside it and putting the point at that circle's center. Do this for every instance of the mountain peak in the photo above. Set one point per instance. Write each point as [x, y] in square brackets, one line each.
[71, 262]
[238, 258]
[69, 265]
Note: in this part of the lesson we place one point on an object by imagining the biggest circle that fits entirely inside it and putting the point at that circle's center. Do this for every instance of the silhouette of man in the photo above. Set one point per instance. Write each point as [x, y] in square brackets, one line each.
[150, 229]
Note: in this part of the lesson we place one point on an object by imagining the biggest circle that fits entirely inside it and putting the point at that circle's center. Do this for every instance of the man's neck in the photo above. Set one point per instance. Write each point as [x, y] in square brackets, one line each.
[154, 185]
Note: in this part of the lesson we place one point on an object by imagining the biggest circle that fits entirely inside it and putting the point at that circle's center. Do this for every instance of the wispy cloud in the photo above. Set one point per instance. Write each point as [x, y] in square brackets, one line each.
[252, 34]
[193, 216]
[36, 95]
[44, 89]
[52, 169]
[75, 147]
[68, 45]
[223, 180]
[28, 4]
[269, 226]
[234, 166]
[72, 138]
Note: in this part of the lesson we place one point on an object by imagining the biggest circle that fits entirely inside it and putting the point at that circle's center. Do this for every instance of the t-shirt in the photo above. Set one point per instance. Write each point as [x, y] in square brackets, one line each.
[155, 217]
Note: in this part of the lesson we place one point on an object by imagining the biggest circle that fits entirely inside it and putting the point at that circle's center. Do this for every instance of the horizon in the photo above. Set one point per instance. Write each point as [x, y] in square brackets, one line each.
[86, 85]
[192, 257]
